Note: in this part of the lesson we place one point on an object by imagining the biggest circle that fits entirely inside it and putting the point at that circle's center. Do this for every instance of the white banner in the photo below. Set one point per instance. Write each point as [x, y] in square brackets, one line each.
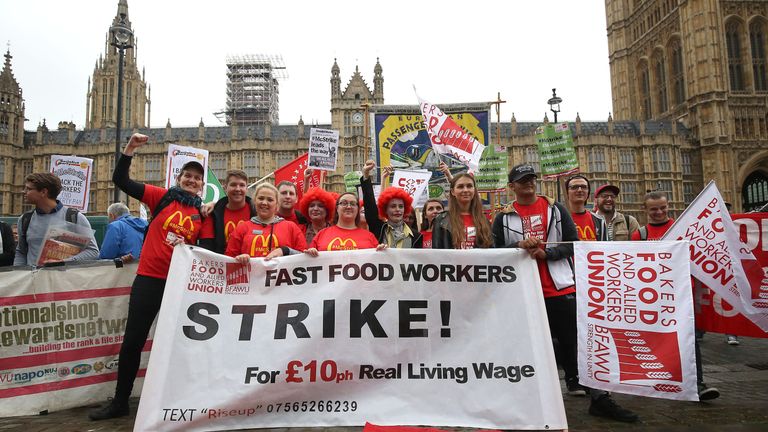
[60, 333]
[719, 258]
[413, 182]
[75, 174]
[323, 149]
[447, 137]
[395, 337]
[178, 156]
[635, 318]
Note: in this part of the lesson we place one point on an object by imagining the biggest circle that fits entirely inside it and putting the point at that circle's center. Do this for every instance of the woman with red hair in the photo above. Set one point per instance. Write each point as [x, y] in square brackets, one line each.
[386, 220]
[318, 206]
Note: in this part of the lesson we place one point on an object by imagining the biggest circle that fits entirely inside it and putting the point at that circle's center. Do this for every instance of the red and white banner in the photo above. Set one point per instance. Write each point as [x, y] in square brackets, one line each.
[635, 318]
[293, 172]
[413, 182]
[718, 257]
[398, 337]
[447, 137]
[714, 314]
[60, 332]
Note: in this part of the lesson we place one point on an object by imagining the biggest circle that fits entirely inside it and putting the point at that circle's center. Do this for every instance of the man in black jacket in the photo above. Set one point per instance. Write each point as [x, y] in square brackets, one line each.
[7, 245]
[227, 213]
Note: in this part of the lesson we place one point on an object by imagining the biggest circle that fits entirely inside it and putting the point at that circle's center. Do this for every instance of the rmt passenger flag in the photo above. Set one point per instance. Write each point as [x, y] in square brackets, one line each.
[293, 172]
[447, 137]
[719, 259]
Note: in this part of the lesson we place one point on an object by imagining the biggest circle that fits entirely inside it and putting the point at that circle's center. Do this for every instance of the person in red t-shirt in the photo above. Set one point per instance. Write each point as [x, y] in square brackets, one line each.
[266, 234]
[431, 209]
[589, 226]
[287, 197]
[227, 213]
[463, 225]
[345, 234]
[178, 223]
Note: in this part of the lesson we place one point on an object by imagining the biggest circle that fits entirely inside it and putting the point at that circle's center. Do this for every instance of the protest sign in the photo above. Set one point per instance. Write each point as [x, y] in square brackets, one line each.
[557, 156]
[718, 257]
[60, 336]
[323, 149]
[492, 175]
[635, 318]
[178, 156]
[293, 172]
[413, 182]
[406, 338]
[75, 174]
[352, 181]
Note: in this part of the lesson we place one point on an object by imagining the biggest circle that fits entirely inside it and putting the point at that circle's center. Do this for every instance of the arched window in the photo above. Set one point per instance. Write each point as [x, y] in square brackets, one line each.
[754, 193]
[645, 91]
[661, 83]
[733, 43]
[678, 78]
[757, 43]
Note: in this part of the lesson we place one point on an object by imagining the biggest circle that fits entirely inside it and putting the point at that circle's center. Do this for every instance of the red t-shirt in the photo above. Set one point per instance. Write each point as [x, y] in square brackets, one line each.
[232, 218]
[470, 232]
[534, 218]
[426, 237]
[335, 238]
[585, 226]
[655, 231]
[176, 220]
[259, 240]
[291, 216]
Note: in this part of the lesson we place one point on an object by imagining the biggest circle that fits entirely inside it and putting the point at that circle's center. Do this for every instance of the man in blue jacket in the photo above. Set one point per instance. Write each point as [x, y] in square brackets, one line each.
[125, 234]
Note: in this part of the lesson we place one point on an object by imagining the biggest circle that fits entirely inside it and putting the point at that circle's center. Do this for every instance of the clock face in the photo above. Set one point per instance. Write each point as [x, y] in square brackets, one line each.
[357, 118]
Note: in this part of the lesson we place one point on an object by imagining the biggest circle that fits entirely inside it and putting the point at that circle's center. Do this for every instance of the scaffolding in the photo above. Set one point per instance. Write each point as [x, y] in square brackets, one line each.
[253, 90]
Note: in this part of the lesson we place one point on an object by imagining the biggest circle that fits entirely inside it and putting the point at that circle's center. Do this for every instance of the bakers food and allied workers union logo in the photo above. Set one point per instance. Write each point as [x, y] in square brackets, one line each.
[180, 224]
[339, 243]
[261, 244]
[649, 355]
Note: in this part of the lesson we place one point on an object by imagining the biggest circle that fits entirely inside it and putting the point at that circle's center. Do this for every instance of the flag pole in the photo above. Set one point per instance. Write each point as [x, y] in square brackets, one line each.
[261, 180]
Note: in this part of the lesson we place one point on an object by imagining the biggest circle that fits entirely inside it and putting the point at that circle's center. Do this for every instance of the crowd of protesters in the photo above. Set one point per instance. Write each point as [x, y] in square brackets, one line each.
[274, 222]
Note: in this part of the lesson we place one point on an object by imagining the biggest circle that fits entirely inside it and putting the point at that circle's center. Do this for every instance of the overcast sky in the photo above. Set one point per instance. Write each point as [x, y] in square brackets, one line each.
[452, 51]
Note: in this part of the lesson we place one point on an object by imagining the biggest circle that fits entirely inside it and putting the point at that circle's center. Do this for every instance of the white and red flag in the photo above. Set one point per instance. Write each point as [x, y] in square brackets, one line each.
[294, 173]
[447, 137]
[719, 258]
[635, 318]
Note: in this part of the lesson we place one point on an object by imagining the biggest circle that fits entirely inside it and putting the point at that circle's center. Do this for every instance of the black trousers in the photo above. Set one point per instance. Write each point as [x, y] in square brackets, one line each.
[143, 306]
[561, 314]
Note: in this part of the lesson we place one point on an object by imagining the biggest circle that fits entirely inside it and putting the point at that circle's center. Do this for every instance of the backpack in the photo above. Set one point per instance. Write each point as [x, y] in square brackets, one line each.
[71, 217]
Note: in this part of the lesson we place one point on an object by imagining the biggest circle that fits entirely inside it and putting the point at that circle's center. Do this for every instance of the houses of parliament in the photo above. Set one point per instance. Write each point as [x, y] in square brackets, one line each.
[690, 105]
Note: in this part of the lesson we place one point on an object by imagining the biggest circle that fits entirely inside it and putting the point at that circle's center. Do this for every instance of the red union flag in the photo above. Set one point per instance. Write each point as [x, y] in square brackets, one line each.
[294, 173]
[719, 259]
[635, 318]
[447, 137]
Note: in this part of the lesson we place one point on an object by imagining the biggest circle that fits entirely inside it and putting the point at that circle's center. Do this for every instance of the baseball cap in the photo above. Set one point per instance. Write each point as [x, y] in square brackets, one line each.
[607, 187]
[193, 166]
[518, 172]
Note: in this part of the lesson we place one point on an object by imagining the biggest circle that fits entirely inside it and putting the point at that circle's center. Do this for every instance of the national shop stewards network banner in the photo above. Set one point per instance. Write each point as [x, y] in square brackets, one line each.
[635, 310]
[398, 337]
[60, 335]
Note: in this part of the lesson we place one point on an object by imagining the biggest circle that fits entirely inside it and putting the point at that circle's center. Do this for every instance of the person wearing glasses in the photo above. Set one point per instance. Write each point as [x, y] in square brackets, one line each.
[619, 226]
[589, 226]
[345, 234]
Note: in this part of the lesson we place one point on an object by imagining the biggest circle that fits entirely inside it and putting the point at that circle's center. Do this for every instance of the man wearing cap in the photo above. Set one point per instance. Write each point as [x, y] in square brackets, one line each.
[545, 229]
[619, 227]
[589, 226]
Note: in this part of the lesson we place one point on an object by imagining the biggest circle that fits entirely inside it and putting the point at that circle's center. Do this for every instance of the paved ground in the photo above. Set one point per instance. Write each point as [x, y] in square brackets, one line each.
[739, 372]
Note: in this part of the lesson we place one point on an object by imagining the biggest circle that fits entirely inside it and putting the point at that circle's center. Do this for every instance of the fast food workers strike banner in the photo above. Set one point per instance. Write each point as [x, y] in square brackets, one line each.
[635, 311]
[60, 335]
[394, 337]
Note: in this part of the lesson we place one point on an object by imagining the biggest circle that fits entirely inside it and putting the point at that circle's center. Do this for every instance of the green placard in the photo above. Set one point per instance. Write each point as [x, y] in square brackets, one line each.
[492, 174]
[213, 189]
[557, 156]
[352, 181]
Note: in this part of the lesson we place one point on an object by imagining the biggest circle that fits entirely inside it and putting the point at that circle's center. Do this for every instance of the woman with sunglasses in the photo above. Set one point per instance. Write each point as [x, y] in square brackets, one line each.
[464, 225]
[345, 234]
[265, 235]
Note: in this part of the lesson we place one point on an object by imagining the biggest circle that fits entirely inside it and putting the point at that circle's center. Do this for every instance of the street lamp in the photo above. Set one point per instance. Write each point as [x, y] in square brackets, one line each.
[121, 39]
[554, 106]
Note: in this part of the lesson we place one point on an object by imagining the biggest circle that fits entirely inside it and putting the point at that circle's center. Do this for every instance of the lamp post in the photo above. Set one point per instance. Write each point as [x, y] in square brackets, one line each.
[554, 106]
[121, 39]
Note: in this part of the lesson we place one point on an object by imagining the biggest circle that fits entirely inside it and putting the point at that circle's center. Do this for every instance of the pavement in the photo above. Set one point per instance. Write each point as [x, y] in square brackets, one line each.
[739, 372]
